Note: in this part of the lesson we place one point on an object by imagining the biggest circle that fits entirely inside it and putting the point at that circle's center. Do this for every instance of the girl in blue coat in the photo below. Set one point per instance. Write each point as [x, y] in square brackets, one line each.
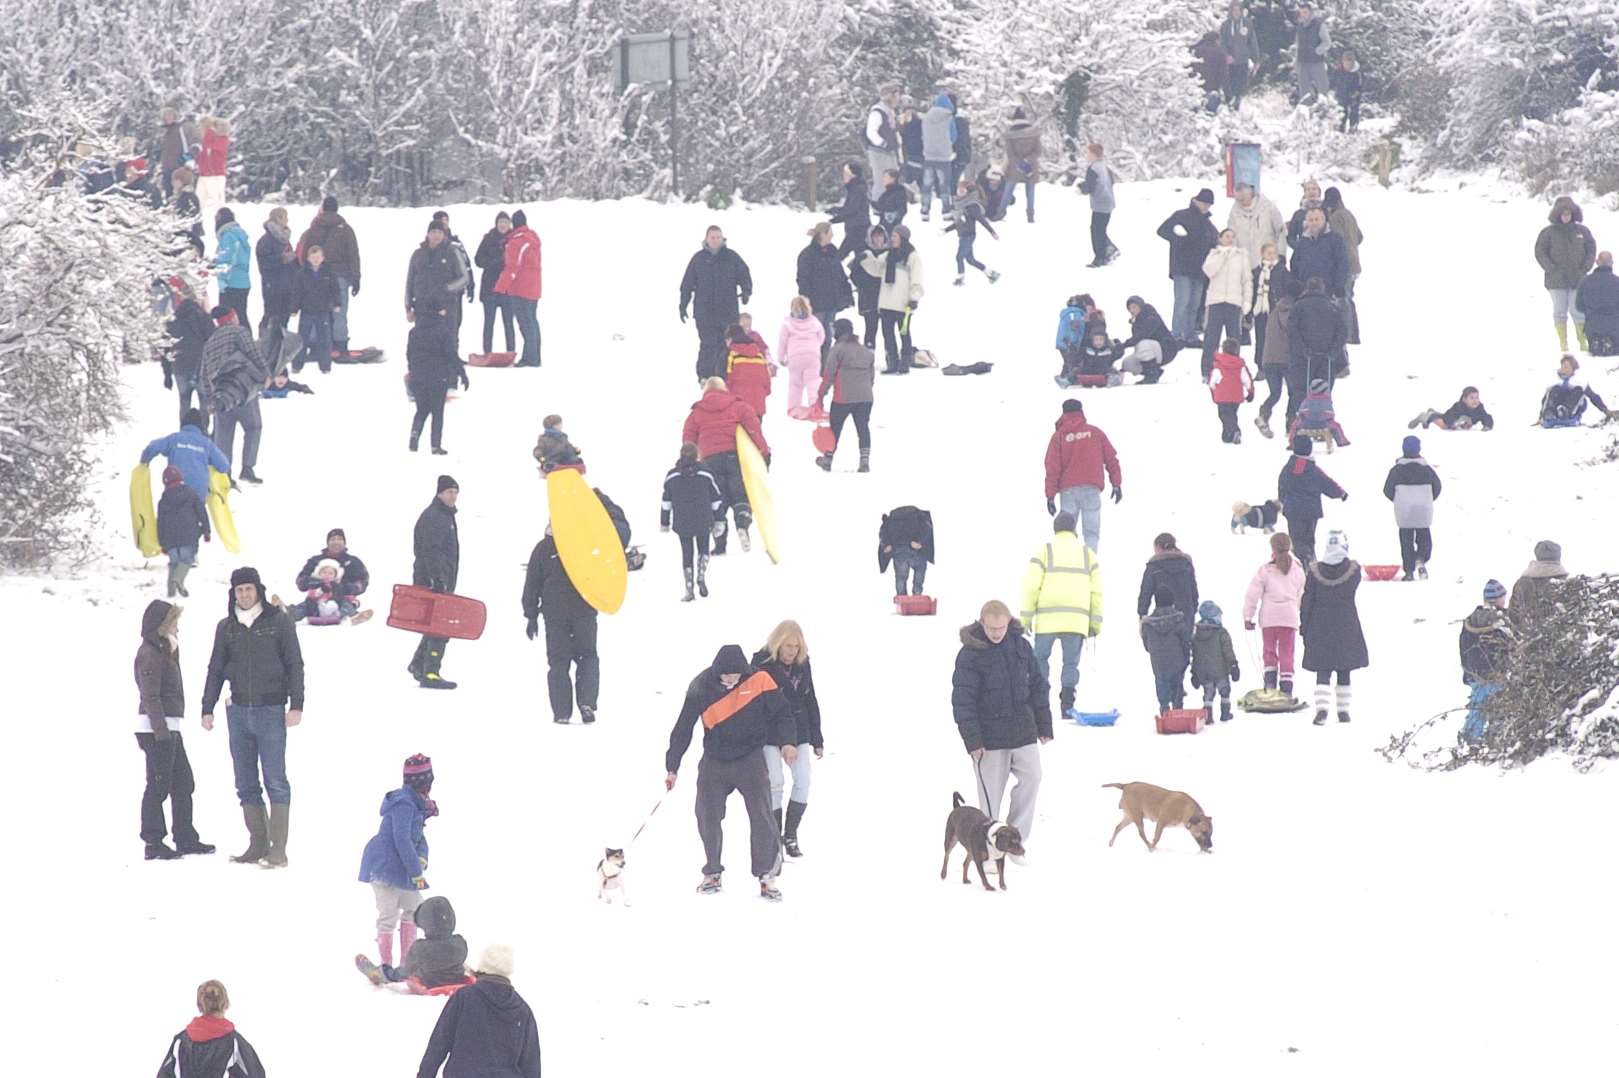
[396, 858]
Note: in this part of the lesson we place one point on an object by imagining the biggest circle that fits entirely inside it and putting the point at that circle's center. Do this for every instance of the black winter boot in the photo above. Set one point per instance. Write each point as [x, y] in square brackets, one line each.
[795, 813]
[1065, 699]
[1225, 709]
[1270, 679]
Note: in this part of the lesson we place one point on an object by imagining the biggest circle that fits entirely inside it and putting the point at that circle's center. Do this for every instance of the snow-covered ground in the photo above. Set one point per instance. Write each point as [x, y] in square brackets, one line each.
[1355, 914]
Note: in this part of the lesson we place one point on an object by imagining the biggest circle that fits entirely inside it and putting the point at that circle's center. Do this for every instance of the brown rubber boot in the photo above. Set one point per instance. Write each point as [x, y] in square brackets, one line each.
[277, 855]
[258, 841]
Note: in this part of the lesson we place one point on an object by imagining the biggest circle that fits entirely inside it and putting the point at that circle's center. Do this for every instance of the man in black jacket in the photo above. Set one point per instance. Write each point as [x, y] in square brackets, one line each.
[436, 276]
[278, 270]
[742, 711]
[437, 545]
[1316, 334]
[1191, 237]
[486, 1028]
[570, 632]
[182, 367]
[1320, 252]
[356, 578]
[714, 277]
[256, 650]
[1002, 705]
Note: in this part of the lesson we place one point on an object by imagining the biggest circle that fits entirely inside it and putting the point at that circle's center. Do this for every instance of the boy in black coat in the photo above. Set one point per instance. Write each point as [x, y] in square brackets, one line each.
[1300, 489]
[691, 503]
[1167, 636]
[181, 519]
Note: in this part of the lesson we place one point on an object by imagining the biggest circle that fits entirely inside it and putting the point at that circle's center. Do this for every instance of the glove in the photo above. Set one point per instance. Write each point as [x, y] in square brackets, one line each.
[419, 882]
[1196, 684]
[168, 380]
[745, 297]
[465, 384]
[1117, 495]
[533, 629]
[1248, 625]
[1236, 672]
[911, 306]
[1344, 497]
[1051, 506]
[472, 293]
[208, 538]
[683, 315]
[354, 289]
[1250, 397]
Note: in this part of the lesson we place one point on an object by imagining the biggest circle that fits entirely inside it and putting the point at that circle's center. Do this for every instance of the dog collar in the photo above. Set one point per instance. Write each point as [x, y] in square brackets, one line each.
[995, 828]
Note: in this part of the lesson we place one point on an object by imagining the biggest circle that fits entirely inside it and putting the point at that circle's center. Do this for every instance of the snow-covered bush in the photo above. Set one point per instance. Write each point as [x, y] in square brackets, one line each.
[1577, 148]
[76, 300]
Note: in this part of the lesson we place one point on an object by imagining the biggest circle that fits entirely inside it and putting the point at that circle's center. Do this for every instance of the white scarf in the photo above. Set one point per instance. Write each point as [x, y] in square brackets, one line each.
[250, 615]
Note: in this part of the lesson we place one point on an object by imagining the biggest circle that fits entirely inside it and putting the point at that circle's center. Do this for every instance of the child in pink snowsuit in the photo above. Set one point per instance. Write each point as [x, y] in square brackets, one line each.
[1273, 601]
[799, 347]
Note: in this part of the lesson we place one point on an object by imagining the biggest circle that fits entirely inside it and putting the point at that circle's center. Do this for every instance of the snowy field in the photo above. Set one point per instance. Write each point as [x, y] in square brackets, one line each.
[1355, 914]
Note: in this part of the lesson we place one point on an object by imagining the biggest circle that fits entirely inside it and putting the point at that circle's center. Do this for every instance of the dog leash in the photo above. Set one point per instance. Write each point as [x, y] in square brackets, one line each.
[648, 820]
[983, 790]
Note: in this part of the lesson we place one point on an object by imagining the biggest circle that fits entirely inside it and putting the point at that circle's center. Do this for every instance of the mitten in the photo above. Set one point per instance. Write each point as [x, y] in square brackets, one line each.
[1236, 672]
[354, 289]
[1051, 506]
[682, 314]
[1248, 625]
[533, 629]
[1117, 494]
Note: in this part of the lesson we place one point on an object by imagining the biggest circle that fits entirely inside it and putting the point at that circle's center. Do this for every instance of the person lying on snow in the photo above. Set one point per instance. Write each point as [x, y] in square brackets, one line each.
[281, 385]
[1564, 403]
[1466, 414]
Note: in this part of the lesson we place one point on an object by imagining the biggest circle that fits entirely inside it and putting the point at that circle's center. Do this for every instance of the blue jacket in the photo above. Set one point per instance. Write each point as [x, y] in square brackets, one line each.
[1070, 328]
[189, 450]
[1301, 486]
[396, 852]
[235, 254]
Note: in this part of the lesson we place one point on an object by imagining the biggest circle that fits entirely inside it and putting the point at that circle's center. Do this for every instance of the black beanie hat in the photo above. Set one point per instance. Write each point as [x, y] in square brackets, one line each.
[446, 482]
[223, 216]
[730, 660]
[1072, 405]
[329, 204]
[1301, 445]
[842, 328]
[339, 533]
[519, 219]
[435, 225]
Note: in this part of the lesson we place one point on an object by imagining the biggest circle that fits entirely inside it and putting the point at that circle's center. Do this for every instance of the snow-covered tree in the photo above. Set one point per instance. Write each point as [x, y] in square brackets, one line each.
[76, 301]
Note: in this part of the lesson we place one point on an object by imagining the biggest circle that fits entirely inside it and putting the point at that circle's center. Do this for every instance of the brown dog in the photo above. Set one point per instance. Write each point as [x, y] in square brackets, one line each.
[982, 838]
[1166, 808]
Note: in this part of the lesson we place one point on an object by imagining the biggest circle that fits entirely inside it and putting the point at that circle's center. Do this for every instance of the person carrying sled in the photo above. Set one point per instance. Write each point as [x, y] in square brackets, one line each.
[1272, 605]
[394, 862]
[691, 502]
[851, 376]
[570, 633]
[1563, 405]
[1062, 603]
[437, 545]
[1486, 646]
[1300, 488]
[712, 426]
[742, 710]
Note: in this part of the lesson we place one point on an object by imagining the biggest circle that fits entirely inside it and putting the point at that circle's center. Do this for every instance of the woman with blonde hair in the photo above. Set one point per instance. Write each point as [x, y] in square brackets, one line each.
[210, 1046]
[799, 348]
[785, 657]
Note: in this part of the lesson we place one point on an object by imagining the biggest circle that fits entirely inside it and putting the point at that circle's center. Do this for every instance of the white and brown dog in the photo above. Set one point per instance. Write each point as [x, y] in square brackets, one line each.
[1245, 516]
[610, 877]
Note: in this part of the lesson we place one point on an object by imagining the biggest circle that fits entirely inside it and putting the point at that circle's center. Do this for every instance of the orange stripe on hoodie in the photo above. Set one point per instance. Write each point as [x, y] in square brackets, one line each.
[737, 699]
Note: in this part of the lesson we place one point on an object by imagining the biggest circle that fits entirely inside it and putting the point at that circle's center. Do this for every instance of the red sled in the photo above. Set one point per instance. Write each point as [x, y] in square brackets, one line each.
[1092, 380]
[1182, 720]
[491, 359]
[1380, 572]
[417, 988]
[824, 439]
[916, 604]
[432, 613]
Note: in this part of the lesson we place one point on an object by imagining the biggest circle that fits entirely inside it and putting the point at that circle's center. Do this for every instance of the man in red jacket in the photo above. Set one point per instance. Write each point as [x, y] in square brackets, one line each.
[521, 281]
[1075, 458]
[712, 425]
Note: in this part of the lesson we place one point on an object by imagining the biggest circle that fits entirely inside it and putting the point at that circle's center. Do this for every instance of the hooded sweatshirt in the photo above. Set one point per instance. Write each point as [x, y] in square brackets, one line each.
[440, 956]
[736, 721]
[713, 422]
[485, 1031]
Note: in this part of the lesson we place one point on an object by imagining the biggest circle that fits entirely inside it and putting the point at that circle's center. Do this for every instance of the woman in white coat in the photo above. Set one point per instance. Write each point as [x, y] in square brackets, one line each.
[899, 268]
[1230, 294]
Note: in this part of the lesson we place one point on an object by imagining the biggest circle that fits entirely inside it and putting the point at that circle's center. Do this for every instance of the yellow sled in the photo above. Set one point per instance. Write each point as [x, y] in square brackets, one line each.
[755, 478]
[219, 510]
[587, 542]
[142, 516]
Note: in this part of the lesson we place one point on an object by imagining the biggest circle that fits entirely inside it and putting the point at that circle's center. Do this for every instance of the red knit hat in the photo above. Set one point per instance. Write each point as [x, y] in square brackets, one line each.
[172, 476]
[419, 773]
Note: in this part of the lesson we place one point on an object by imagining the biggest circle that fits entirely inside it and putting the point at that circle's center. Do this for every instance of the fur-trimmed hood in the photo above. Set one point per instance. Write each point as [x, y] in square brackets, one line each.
[1565, 203]
[1543, 570]
[1341, 572]
[972, 635]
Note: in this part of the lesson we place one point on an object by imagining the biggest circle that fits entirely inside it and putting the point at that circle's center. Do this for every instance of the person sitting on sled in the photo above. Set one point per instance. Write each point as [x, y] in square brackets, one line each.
[325, 598]
[554, 450]
[1564, 403]
[1093, 363]
[437, 960]
[1315, 418]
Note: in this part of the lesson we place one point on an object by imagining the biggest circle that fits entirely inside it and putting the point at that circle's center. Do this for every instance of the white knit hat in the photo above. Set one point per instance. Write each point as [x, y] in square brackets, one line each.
[496, 959]
[329, 563]
[1337, 548]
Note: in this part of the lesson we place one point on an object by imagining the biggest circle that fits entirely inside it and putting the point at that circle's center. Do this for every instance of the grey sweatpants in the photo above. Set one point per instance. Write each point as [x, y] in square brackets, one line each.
[716, 780]
[994, 769]
[392, 902]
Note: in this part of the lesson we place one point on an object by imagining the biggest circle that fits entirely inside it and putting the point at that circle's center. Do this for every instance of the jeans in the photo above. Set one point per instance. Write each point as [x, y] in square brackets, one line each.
[1222, 320]
[429, 405]
[749, 776]
[168, 778]
[1101, 246]
[1085, 503]
[936, 175]
[570, 642]
[1188, 314]
[316, 332]
[896, 358]
[1274, 378]
[1071, 645]
[497, 304]
[1416, 547]
[1473, 727]
[252, 424]
[1229, 431]
[912, 563]
[1171, 691]
[183, 555]
[340, 317]
[528, 320]
[258, 741]
[1028, 199]
[860, 413]
[993, 771]
[800, 771]
[965, 257]
[186, 384]
[1563, 306]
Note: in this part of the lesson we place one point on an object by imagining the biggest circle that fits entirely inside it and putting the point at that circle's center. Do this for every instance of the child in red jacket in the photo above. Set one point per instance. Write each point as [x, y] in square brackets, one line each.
[1230, 384]
[747, 370]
